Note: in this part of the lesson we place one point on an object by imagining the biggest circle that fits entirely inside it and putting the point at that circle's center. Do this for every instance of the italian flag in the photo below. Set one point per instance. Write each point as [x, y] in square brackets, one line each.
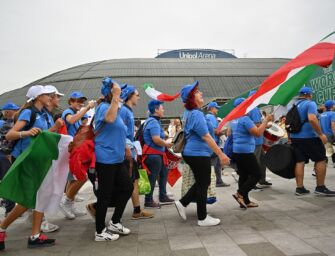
[157, 95]
[280, 87]
[37, 178]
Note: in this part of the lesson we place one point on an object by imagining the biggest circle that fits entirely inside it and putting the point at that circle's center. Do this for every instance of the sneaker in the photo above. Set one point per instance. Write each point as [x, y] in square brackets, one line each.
[41, 241]
[79, 199]
[170, 194]
[166, 200]
[48, 227]
[106, 235]
[209, 221]
[66, 208]
[257, 189]
[235, 176]
[77, 212]
[323, 190]
[301, 191]
[180, 209]
[152, 204]
[142, 215]
[264, 184]
[118, 228]
[2, 240]
[91, 210]
[222, 184]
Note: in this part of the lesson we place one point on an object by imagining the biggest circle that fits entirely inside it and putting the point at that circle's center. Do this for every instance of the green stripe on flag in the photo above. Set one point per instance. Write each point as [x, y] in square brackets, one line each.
[27, 173]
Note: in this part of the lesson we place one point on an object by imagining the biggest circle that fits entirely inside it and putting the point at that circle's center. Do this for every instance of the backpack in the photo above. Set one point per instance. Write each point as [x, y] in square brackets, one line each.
[293, 122]
[179, 142]
[139, 133]
[6, 146]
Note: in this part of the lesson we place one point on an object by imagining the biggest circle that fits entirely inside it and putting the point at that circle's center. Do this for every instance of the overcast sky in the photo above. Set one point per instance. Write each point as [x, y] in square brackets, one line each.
[40, 37]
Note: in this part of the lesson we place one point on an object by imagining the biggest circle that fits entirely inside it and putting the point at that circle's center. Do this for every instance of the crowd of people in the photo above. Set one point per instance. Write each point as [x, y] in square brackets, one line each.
[115, 176]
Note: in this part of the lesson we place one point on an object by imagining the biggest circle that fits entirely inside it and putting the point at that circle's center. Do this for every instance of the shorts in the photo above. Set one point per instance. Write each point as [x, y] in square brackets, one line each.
[134, 172]
[309, 148]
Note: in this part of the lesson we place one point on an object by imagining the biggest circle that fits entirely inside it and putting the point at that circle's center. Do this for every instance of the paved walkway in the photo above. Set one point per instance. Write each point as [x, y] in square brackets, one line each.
[284, 224]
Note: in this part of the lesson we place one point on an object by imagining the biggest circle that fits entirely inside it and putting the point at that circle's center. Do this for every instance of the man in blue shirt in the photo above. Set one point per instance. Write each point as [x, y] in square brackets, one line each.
[308, 144]
[211, 118]
[327, 122]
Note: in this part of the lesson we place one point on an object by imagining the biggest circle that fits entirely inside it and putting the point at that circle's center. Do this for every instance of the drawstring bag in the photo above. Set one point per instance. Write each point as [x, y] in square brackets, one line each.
[143, 182]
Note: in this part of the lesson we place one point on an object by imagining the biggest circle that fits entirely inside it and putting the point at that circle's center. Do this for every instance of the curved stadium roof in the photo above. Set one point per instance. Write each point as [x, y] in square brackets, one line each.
[219, 78]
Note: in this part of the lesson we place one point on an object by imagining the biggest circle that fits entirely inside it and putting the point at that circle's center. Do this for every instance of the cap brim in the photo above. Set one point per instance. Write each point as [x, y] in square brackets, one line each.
[60, 94]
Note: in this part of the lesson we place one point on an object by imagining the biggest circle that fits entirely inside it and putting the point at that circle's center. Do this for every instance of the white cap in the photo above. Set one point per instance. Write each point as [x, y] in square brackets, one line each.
[35, 91]
[53, 89]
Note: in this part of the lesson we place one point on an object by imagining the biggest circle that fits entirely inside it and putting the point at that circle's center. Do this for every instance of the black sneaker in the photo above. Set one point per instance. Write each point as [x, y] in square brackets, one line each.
[166, 200]
[257, 189]
[152, 204]
[323, 190]
[222, 184]
[41, 241]
[301, 191]
[264, 184]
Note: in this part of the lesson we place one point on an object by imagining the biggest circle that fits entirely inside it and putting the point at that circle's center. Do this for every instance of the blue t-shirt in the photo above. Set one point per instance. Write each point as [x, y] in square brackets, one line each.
[40, 122]
[256, 116]
[243, 141]
[49, 118]
[110, 142]
[305, 107]
[214, 123]
[196, 127]
[1, 123]
[71, 128]
[127, 116]
[153, 128]
[326, 120]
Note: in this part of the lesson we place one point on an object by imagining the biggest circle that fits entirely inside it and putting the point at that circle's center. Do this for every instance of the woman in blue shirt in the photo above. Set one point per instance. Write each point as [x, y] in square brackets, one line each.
[197, 152]
[154, 154]
[39, 98]
[244, 131]
[113, 176]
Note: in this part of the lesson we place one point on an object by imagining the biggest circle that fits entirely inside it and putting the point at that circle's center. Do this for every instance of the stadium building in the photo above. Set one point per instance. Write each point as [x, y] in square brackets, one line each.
[221, 75]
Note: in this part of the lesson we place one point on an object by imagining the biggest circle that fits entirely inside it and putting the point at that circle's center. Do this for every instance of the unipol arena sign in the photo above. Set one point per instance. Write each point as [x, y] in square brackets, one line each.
[196, 54]
[323, 84]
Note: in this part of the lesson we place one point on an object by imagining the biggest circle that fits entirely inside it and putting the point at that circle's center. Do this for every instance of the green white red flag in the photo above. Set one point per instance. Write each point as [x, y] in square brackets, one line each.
[281, 86]
[157, 95]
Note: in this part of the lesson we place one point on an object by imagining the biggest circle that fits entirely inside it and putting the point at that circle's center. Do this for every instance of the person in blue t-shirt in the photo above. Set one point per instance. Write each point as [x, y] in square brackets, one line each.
[154, 154]
[197, 152]
[244, 131]
[22, 131]
[212, 109]
[308, 144]
[72, 117]
[256, 116]
[112, 174]
[130, 97]
[327, 122]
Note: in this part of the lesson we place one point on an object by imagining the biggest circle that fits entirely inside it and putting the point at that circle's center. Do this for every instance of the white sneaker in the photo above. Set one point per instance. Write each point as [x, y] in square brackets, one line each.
[78, 199]
[106, 235]
[66, 208]
[48, 227]
[170, 194]
[180, 209]
[118, 228]
[209, 221]
[77, 212]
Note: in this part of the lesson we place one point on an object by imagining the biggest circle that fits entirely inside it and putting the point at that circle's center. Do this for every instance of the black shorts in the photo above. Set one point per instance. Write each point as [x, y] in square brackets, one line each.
[134, 173]
[309, 148]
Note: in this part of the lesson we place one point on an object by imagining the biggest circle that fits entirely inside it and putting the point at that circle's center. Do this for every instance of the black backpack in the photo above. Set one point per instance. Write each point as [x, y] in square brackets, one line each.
[293, 123]
[139, 133]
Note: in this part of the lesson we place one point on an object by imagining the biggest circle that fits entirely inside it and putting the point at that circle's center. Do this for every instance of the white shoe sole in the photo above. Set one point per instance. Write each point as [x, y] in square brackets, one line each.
[181, 210]
[208, 224]
[322, 194]
[98, 239]
[70, 217]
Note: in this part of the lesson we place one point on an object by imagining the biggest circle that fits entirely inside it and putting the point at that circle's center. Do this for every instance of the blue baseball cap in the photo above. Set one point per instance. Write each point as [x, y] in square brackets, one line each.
[10, 106]
[77, 95]
[127, 91]
[213, 104]
[306, 90]
[238, 101]
[185, 91]
[153, 104]
[107, 84]
[252, 92]
[329, 104]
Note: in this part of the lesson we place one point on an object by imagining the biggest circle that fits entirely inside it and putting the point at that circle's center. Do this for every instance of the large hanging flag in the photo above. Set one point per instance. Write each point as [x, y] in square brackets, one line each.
[280, 87]
[37, 178]
[157, 95]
